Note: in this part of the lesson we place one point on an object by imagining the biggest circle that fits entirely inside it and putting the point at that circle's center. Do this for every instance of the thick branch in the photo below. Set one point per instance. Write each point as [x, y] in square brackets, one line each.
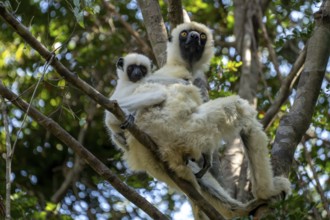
[174, 13]
[294, 125]
[8, 159]
[246, 33]
[285, 89]
[155, 27]
[79, 149]
[113, 107]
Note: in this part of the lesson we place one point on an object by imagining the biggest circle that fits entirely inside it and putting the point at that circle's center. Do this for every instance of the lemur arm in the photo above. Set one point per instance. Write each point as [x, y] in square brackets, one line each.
[138, 101]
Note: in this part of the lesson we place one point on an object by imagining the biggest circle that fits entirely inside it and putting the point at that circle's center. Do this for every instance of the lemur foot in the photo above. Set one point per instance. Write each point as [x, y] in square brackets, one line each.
[128, 122]
[206, 166]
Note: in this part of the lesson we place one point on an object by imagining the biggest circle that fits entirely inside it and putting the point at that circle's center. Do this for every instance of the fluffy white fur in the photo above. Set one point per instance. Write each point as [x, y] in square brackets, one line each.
[124, 89]
[184, 127]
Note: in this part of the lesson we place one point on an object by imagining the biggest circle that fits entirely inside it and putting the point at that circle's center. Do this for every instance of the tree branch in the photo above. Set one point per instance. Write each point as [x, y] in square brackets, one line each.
[306, 193]
[113, 107]
[9, 157]
[68, 179]
[294, 125]
[245, 31]
[174, 13]
[155, 27]
[285, 89]
[79, 149]
[269, 43]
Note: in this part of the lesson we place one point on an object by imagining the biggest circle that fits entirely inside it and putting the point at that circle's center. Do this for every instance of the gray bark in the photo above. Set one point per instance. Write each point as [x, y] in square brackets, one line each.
[175, 13]
[156, 29]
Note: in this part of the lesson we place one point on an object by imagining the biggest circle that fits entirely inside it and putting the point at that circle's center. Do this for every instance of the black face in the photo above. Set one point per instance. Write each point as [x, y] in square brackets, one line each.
[136, 72]
[192, 45]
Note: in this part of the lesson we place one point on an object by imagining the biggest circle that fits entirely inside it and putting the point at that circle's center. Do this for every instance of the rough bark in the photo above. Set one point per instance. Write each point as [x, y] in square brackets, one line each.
[156, 29]
[231, 163]
[294, 125]
[9, 157]
[245, 30]
[174, 13]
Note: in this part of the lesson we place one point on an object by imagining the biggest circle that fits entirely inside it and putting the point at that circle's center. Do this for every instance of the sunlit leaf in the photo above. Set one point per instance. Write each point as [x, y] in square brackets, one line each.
[61, 83]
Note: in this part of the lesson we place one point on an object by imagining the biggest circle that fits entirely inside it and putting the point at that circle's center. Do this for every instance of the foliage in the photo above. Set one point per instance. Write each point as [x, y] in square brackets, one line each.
[88, 39]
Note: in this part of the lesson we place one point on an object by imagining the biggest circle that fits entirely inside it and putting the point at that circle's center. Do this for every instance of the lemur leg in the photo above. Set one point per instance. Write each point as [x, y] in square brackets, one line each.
[232, 115]
[264, 184]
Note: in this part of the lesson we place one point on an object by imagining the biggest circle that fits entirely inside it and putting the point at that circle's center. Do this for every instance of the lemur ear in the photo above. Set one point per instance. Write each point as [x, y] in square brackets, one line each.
[120, 63]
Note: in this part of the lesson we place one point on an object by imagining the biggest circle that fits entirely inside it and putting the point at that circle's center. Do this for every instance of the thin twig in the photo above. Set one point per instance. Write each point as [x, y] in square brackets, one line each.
[69, 178]
[78, 166]
[8, 158]
[31, 100]
[285, 89]
[269, 43]
[317, 181]
[304, 186]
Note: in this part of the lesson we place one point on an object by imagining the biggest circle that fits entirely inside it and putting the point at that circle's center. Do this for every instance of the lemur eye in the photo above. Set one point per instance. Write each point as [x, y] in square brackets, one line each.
[130, 69]
[203, 36]
[183, 34]
[143, 69]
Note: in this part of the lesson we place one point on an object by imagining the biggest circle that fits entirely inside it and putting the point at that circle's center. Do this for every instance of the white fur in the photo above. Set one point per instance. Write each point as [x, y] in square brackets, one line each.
[184, 127]
[123, 92]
